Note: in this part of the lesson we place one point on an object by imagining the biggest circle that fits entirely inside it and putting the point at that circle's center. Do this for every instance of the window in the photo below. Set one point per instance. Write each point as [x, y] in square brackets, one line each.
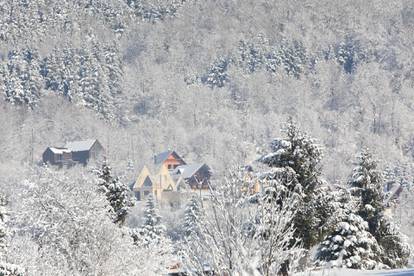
[146, 193]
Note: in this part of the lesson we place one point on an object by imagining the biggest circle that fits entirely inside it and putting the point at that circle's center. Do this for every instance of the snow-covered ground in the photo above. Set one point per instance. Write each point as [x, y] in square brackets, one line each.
[352, 272]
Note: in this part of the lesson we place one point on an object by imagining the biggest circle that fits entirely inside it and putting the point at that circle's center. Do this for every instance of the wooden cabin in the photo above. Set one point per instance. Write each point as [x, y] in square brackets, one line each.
[84, 151]
[57, 156]
[74, 152]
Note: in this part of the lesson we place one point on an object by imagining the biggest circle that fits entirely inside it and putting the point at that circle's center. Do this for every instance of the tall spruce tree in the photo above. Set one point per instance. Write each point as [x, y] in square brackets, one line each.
[363, 237]
[295, 168]
[349, 243]
[116, 193]
[192, 215]
[366, 185]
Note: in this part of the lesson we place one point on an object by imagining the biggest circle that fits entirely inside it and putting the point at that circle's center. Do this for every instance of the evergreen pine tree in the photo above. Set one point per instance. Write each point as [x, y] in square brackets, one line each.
[363, 237]
[152, 231]
[396, 251]
[349, 244]
[367, 188]
[20, 78]
[116, 193]
[295, 168]
[192, 216]
[217, 75]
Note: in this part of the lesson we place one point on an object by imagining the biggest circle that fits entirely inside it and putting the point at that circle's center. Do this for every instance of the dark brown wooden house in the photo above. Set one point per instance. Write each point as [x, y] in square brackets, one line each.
[84, 151]
[74, 152]
[196, 176]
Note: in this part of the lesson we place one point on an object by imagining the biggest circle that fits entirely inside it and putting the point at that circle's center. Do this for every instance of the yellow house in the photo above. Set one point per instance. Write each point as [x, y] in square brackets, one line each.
[156, 185]
[163, 182]
[252, 185]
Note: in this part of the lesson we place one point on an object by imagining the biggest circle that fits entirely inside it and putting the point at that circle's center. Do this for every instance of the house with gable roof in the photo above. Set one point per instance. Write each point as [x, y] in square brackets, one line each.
[195, 176]
[74, 152]
[144, 184]
[172, 178]
[83, 151]
[169, 159]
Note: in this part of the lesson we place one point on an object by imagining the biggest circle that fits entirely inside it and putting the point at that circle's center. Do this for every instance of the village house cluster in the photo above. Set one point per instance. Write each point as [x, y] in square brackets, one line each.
[170, 179]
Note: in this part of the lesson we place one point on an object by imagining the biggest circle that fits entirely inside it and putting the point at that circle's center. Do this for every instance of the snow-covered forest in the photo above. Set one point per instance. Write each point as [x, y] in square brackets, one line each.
[313, 101]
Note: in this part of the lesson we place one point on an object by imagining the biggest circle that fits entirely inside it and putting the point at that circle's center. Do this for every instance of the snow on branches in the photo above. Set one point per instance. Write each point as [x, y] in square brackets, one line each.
[116, 193]
[241, 236]
[364, 238]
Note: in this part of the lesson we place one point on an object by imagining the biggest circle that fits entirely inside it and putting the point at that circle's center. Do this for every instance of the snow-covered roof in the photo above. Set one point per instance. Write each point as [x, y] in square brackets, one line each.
[187, 171]
[80, 145]
[59, 150]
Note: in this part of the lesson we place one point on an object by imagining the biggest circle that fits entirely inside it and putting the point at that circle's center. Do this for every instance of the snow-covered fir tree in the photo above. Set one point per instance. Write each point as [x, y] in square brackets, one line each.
[295, 168]
[192, 216]
[396, 250]
[349, 244]
[363, 238]
[20, 77]
[217, 75]
[152, 231]
[367, 187]
[152, 241]
[116, 192]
